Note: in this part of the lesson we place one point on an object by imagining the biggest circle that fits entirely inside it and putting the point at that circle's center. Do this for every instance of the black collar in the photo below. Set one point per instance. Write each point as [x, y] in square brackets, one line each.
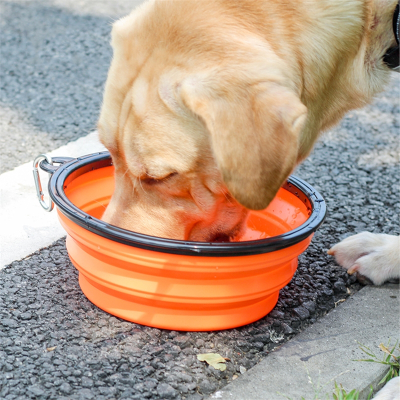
[391, 58]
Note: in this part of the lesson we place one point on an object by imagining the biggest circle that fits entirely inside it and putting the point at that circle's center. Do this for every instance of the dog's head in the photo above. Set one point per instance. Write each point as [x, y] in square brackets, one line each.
[205, 119]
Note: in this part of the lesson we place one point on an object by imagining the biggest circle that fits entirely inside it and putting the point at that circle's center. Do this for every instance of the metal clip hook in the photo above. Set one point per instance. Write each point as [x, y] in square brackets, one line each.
[36, 176]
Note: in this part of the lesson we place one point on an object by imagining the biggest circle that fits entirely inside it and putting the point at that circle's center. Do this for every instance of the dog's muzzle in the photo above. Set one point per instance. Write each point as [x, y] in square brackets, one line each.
[391, 58]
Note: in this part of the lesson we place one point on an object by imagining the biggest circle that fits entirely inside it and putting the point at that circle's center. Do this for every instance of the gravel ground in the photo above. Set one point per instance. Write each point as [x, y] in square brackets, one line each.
[54, 344]
[53, 65]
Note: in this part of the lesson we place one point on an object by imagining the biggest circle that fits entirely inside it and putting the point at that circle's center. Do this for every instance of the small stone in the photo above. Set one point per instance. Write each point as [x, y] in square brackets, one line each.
[276, 314]
[87, 382]
[4, 342]
[338, 216]
[352, 279]
[139, 387]
[148, 370]
[200, 343]
[310, 306]
[25, 316]
[286, 328]
[85, 394]
[175, 350]
[264, 338]
[258, 345]
[102, 322]
[327, 292]
[156, 351]
[36, 390]
[150, 384]
[166, 391]
[242, 369]
[339, 286]
[57, 382]
[128, 393]
[243, 345]
[183, 388]
[189, 351]
[182, 341]
[65, 388]
[107, 391]
[301, 312]
[10, 323]
[207, 387]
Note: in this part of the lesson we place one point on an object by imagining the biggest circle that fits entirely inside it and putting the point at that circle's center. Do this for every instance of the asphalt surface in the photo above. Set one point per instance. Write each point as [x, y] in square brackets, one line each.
[54, 344]
[54, 58]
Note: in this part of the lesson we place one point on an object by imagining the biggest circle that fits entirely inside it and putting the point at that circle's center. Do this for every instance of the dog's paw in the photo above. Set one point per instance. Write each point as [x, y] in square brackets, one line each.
[391, 391]
[376, 256]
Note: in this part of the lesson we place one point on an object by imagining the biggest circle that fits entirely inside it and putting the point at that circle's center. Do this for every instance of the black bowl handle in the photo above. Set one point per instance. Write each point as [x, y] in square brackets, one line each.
[47, 165]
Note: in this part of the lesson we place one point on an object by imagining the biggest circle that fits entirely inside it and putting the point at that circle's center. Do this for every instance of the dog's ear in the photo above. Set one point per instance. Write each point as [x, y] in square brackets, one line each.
[254, 133]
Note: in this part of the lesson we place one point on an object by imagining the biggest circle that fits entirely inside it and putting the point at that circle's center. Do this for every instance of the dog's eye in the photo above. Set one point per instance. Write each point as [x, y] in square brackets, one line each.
[149, 180]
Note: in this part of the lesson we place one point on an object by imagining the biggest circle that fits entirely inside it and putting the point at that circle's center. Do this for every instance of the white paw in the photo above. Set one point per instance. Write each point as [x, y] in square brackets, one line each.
[376, 256]
[391, 390]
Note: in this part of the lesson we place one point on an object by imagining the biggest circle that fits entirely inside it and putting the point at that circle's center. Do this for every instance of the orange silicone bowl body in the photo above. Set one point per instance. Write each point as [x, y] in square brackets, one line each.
[179, 285]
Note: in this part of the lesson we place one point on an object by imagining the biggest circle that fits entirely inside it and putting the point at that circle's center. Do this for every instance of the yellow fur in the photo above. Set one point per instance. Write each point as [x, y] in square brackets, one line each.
[209, 105]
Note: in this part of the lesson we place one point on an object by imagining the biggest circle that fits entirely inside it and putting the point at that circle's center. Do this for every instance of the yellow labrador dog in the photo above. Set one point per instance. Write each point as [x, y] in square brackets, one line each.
[210, 105]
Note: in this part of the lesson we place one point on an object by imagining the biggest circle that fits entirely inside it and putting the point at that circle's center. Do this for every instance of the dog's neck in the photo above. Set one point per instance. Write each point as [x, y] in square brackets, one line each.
[361, 36]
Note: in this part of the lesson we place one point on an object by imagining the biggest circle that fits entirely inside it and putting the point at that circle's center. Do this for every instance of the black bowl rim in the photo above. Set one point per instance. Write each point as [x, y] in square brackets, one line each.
[261, 246]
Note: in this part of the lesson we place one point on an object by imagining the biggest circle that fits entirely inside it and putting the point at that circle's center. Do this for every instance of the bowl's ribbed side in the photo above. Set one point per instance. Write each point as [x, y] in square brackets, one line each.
[178, 292]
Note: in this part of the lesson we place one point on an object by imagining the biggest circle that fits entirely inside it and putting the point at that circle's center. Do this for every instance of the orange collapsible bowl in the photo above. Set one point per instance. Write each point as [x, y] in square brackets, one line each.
[173, 284]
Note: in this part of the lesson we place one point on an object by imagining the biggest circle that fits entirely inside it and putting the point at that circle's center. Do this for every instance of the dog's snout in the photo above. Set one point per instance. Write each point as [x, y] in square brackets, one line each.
[220, 238]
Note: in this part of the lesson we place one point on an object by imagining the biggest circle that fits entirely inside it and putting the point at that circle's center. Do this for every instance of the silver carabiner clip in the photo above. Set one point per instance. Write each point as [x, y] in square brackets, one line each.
[36, 176]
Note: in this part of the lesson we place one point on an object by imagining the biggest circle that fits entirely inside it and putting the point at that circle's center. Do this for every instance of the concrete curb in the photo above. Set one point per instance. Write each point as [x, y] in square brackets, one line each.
[323, 354]
[26, 227]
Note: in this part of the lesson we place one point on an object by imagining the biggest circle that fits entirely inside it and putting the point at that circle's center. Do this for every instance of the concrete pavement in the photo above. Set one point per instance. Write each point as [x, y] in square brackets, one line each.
[28, 226]
[309, 365]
